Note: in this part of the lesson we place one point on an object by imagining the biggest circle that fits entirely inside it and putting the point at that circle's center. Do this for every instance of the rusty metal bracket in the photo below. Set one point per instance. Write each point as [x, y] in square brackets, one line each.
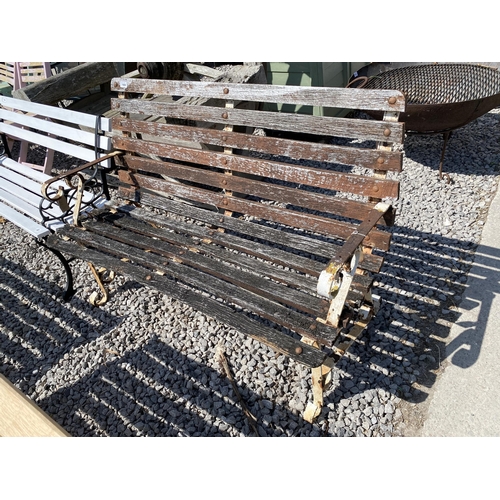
[336, 285]
[102, 276]
[321, 379]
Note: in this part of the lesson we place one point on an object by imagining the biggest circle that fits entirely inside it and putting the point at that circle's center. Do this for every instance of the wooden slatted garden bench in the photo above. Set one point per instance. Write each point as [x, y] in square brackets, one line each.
[56, 129]
[264, 219]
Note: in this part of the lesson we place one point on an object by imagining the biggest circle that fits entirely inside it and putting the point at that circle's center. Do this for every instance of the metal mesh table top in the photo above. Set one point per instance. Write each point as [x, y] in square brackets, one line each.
[439, 83]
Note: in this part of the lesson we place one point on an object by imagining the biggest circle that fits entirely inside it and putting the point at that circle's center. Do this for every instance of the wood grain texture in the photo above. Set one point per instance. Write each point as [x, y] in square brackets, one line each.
[74, 81]
[286, 94]
[237, 319]
[367, 130]
[21, 417]
[295, 149]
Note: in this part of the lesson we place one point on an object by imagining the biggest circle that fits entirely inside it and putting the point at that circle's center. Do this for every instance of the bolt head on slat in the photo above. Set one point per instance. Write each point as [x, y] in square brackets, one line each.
[392, 100]
[225, 115]
[387, 132]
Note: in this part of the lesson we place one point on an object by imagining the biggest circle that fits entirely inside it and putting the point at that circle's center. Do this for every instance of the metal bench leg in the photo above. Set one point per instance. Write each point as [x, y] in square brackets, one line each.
[321, 377]
[69, 290]
[102, 276]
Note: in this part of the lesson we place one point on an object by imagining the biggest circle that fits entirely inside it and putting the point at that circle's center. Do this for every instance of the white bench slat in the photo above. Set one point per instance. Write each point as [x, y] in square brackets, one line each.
[13, 175]
[29, 225]
[20, 192]
[21, 205]
[61, 114]
[48, 142]
[28, 184]
[29, 172]
[75, 134]
[28, 197]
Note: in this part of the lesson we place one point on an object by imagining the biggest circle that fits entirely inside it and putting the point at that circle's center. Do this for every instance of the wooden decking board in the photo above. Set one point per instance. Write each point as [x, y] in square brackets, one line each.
[21, 417]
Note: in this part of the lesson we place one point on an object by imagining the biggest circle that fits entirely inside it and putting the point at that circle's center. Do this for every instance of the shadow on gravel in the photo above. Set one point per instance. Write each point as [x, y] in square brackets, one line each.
[33, 334]
[155, 389]
[421, 292]
[484, 285]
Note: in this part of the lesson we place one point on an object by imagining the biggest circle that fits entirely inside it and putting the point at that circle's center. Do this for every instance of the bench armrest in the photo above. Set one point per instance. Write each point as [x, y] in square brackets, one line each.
[335, 280]
[74, 193]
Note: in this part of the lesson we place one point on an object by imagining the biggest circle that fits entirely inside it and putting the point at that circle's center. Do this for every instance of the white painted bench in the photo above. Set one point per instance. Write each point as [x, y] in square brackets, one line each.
[79, 136]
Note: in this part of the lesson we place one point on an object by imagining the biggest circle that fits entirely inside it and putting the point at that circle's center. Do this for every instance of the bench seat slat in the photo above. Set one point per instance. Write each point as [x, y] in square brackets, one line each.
[24, 182]
[296, 241]
[232, 317]
[19, 192]
[195, 257]
[25, 223]
[149, 227]
[26, 171]
[20, 204]
[267, 308]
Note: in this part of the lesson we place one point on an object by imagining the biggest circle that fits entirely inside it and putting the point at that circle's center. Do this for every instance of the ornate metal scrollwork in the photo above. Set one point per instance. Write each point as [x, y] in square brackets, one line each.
[67, 196]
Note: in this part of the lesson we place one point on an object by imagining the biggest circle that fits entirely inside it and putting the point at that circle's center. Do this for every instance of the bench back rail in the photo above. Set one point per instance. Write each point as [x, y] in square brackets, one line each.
[73, 133]
[303, 184]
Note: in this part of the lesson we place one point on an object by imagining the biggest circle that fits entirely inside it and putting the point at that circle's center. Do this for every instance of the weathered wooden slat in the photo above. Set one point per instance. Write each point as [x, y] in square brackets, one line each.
[243, 297]
[297, 174]
[190, 255]
[286, 94]
[294, 241]
[271, 254]
[368, 130]
[74, 81]
[295, 149]
[292, 196]
[206, 245]
[359, 288]
[234, 318]
[309, 222]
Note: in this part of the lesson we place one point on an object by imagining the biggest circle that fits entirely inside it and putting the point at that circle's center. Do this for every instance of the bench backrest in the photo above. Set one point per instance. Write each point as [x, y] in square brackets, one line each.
[200, 142]
[70, 132]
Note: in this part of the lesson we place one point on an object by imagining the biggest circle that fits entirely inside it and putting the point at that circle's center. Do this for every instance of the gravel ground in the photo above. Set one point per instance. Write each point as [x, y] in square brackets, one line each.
[146, 365]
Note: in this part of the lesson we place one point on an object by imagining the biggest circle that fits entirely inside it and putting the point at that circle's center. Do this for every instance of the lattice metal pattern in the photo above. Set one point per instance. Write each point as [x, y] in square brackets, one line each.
[439, 83]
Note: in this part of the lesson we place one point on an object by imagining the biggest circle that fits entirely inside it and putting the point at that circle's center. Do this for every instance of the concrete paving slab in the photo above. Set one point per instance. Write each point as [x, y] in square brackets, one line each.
[466, 398]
